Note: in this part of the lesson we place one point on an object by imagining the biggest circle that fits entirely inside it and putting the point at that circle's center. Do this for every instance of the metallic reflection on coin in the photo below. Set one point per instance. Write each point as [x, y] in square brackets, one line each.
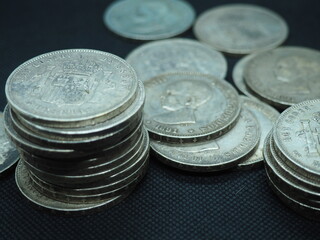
[8, 153]
[213, 155]
[241, 28]
[187, 107]
[176, 55]
[149, 19]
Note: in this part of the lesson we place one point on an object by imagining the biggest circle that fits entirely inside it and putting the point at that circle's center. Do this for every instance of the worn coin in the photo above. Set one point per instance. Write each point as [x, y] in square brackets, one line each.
[149, 19]
[70, 88]
[285, 76]
[187, 107]
[213, 155]
[241, 28]
[266, 117]
[176, 55]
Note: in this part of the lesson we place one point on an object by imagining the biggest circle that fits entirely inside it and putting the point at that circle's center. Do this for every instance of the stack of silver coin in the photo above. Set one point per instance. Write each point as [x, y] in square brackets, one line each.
[280, 77]
[292, 158]
[76, 118]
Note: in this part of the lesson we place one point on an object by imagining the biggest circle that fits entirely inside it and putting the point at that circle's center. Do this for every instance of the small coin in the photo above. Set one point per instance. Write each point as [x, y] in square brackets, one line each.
[8, 153]
[241, 28]
[266, 117]
[75, 87]
[285, 76]
[187, 107]
[149, 19]
[176, 55]
[213, 155]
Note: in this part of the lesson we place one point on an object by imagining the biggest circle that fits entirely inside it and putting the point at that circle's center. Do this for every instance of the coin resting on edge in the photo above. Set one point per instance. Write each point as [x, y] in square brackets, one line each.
[241, 28]
[266, 117]
[187, 107]
[285, 76]
[76, 87]
[213, 155]
[176, 55]
[149, 19]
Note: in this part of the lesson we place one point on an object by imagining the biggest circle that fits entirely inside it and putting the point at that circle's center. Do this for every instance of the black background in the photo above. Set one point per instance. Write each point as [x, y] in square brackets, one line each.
[168, 204]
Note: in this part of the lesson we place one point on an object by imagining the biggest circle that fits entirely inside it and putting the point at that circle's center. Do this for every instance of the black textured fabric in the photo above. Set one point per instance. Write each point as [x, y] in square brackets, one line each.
[167, 204]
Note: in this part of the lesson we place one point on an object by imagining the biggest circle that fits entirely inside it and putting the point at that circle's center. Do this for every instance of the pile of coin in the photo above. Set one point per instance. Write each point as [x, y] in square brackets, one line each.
[76, 117]
[292, 158]
[280, 77]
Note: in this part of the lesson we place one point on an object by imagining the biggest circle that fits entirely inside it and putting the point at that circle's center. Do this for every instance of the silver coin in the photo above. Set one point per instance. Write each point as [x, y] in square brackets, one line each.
[213, 155]
[149, 19]
[285, 76]
[241, 28]
[176, 55]
[75, 87]
[266, 117]
[8, 153]
[187, 107]
[297, 137]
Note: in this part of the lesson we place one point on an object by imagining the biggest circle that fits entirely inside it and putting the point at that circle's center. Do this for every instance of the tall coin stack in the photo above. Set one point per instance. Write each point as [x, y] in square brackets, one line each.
[292, 158]
[76, 118]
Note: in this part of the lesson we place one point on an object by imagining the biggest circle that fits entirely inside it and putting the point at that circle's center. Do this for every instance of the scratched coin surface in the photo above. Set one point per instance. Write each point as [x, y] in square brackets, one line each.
[241, 28]
[149, 19]
[297, 137]
[213, 155]
[187, 107]
[76, 85]
[266, 116]
[176, 55]
[8, 153]
[295, 71]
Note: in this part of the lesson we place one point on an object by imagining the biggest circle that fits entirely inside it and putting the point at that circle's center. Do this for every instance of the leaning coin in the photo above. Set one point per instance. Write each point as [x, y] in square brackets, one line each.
[149, 19]
[71, 88]
[241, 28]
[188, 107]
[213, 155]
[176, 55]
[284, 76]
[266, 117]
[8, 153]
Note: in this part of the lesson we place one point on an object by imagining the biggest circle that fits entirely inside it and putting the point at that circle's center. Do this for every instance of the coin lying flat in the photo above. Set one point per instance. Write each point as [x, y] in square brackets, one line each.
[187, 107]
[285, 76]
[149, 19]
[241, 28]
[213, 155]
[266, 117]
[176, 55]
[77, 87]
[8, 153]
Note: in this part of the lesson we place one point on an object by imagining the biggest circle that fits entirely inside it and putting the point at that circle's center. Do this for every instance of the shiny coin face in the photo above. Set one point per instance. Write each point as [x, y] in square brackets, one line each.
[285, 76]
[241, 28]
[297, 137]
[266, 117]
[72, 86]
[176, 55]
[8, 153]
[186, 107]
[149, 19]
[213, 155]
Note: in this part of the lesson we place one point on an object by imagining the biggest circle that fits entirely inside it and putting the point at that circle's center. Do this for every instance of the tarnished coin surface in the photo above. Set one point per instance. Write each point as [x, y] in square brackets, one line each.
[149, 19]
[241, 28]
[213, 155]
[285, 76]
[176, 55]
[187, 107]
[297, 137]
[76, 87]
[266, 117]
[8, 153]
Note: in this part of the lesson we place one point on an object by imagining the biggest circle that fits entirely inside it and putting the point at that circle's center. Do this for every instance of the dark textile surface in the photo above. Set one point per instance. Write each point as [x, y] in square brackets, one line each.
[167, 204]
